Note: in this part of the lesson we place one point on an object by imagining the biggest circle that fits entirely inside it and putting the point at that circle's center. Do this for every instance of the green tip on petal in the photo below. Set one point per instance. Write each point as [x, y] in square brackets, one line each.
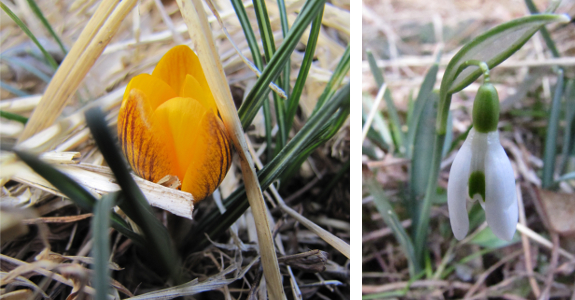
[486, 109]
[477, 184]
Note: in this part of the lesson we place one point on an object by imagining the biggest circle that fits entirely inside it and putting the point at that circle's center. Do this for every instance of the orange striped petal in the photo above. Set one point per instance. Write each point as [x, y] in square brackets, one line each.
[200, 142]
[146, 149]
[212, 159]
[176, 64]
[193, 89]
[155, 90]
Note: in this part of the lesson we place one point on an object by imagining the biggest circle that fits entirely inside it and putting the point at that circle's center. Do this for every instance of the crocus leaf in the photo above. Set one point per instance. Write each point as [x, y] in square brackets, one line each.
[101, 250]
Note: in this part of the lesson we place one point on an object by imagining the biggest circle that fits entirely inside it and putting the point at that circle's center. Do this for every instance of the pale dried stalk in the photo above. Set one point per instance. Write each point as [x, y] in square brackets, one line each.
[202, 39]
[93, 39]
[373, 111]
[48, 274]
[525, 243]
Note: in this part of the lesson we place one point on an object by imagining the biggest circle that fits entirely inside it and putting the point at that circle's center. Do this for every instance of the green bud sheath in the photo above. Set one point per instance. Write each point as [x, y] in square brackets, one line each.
[486, 109]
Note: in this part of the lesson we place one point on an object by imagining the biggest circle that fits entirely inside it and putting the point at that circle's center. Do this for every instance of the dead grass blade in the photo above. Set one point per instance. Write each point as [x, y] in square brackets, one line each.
[203, 43]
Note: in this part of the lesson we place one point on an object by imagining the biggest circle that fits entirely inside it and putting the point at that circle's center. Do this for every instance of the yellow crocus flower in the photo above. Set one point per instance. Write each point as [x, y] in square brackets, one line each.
[169, 125]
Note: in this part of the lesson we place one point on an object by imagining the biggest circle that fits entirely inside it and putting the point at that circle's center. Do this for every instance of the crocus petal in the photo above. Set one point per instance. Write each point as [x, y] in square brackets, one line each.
[501, 203]
[179, 118]
[145, 148]
[457, 190]
[176, 64]
[193, 89]
[155, 90]
[212, 158]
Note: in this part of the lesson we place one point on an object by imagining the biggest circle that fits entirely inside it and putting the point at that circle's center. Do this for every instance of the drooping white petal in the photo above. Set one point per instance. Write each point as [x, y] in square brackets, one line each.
[457, 189]
[501, 209]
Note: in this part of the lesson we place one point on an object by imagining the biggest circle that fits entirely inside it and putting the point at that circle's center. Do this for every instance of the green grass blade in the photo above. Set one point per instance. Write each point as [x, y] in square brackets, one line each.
[568, 176]
[390, 218]
[46, 24]
[74, 191]
[418, 106]
[304, 69]
[214, 223]
[544, 32]
[257, 57]
[285, 83]
[552, 130]
[26, 66]
[24, 28]
[398, 137]
[334, 81]
[13, 117]
[268, 43]
[13, 90]
[569, 131]
[101, 249]
[375, 70]
[135, 205]
[255, 98]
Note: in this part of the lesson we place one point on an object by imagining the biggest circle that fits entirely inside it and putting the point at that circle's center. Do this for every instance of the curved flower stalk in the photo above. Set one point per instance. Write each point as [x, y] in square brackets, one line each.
[169, 125]
[482, 171]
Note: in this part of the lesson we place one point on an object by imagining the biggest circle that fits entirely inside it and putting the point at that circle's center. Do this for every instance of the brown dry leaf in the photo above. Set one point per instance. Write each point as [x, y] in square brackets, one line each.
[23, 269]
[64, 219]
[79, 277]
[17, 295]
[560, 211]
[11, 225]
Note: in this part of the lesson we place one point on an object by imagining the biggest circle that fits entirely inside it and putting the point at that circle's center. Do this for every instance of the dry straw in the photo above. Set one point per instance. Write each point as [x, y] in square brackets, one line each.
[202, 40]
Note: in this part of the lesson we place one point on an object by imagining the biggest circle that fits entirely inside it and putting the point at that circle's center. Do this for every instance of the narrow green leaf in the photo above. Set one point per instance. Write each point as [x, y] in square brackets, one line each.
[24, 28]
[287, 68]
[214, 224]
[568, 176]
[18, 62]
[304, 69]
[424, 92]
[398, 137]
[255, 98]
[487, 239]
[544, 32]
[491, 47]
[13, 90]
[14, 117]
[135, 205]
[390, 218]
[74, 191]
[268, 43]
[46, 24]
[257, 57]
[101, 249]
[569, 130]
[335, 80]
[552, 130]
[424, 134]
[375, 70]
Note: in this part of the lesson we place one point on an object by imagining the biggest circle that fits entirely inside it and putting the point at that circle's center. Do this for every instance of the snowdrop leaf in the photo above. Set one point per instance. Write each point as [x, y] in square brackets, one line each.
[486, 238]
[492, 47]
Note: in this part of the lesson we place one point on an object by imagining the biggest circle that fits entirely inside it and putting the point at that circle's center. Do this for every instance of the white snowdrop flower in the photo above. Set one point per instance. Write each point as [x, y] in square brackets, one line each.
[482, 171]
